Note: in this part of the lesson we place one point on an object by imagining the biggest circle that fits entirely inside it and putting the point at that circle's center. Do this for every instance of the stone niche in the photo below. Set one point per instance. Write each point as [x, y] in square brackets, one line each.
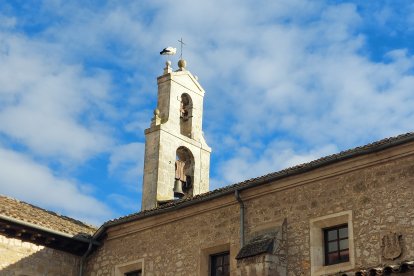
[265, 254]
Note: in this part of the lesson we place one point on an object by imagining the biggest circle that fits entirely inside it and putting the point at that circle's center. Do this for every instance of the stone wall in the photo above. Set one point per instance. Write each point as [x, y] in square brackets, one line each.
[263, 265]
[377, 189]
[23, 258]
[176, 248]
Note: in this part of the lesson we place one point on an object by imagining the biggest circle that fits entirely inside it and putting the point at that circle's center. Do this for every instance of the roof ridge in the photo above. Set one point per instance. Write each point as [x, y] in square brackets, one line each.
[300, 168]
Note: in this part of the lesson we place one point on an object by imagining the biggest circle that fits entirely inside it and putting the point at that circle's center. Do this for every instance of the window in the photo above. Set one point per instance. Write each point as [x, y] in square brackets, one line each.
[336, 244]
[220, 264]
[134, 273]
[134, 268]
[332, 244]
[207, 255]
[186, 115]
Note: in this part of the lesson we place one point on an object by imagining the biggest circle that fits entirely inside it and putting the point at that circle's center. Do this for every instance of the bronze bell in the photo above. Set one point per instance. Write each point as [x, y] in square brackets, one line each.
[178, 189]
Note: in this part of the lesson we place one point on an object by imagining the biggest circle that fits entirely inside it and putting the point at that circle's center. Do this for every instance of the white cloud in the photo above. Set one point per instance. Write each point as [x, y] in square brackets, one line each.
[23, 178]
[312, 81]
[295, 71]
[125, 202]
[126, 162]
[49, 106]
[296, 68]
[7, 22]
[139, 121]
[248, 163]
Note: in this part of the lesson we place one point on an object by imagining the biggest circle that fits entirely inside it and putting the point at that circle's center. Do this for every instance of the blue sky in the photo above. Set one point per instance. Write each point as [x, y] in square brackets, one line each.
[287, 81]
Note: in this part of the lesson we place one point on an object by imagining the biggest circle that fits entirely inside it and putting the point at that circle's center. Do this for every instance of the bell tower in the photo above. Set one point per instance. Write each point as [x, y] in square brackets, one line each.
[177, 158]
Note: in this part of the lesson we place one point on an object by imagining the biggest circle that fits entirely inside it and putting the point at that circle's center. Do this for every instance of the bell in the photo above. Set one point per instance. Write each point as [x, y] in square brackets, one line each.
[178, 189]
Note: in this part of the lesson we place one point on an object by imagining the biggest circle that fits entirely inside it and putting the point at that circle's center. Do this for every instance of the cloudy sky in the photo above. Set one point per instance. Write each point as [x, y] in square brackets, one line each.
[287, 81]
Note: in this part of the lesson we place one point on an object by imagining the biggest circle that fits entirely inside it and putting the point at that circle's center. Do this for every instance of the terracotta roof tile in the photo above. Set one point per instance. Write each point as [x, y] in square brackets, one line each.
[387, 269]
[26, 212]
[256, 247]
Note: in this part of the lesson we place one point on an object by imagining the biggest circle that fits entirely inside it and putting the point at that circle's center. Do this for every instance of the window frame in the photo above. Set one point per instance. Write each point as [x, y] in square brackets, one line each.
[217, 255]
[338, 240]
[129, 267]
[316, 243]
[130, 273]
[206, 252]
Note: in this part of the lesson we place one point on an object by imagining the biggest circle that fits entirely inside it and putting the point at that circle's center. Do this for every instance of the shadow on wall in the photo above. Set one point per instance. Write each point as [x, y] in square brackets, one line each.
[19, 258]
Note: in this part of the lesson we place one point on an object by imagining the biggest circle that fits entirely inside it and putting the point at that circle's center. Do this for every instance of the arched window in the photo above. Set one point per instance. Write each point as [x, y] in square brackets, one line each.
[184, 173]
[186, 115]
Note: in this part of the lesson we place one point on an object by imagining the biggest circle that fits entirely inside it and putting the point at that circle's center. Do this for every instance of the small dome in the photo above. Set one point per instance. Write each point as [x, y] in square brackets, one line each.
[156, 112]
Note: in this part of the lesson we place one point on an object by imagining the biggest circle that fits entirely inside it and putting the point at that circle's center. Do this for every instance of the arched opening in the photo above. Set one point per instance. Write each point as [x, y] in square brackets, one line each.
[186, 115]
[184, 173]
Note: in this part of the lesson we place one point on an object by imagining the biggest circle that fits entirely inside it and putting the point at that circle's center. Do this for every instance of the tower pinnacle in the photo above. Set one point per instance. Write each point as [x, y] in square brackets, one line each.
[182, 64]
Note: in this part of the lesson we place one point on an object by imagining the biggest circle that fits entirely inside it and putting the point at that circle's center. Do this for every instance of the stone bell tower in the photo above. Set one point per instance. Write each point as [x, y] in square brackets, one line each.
[177, 158]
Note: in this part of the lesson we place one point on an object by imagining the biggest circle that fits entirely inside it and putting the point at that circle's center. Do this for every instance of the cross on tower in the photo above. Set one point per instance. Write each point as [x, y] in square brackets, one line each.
[182, 43]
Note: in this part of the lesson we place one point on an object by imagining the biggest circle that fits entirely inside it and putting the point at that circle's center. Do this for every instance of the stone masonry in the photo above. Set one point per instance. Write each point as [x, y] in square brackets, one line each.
[24, 258]
[34, 248]
[377, 189]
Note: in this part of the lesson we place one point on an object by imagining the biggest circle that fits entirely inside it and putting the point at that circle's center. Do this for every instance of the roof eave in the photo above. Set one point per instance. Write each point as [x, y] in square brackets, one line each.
[322, 162]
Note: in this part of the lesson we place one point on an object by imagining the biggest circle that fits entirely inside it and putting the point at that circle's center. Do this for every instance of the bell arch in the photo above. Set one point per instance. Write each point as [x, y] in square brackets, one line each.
[184, 172]
[186, 115]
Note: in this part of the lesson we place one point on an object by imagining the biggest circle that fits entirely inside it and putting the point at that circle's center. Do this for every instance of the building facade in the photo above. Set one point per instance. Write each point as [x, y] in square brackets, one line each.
[350, 213]
[275, 224]
[35, 242]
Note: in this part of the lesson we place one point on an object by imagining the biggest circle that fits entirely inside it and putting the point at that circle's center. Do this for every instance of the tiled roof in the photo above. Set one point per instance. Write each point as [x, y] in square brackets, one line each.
[302, 168]
[387, 269]
[28, 213]
[256, 247]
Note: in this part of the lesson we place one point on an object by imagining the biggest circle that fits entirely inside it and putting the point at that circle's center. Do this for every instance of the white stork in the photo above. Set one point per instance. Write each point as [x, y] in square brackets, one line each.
[168, 51]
